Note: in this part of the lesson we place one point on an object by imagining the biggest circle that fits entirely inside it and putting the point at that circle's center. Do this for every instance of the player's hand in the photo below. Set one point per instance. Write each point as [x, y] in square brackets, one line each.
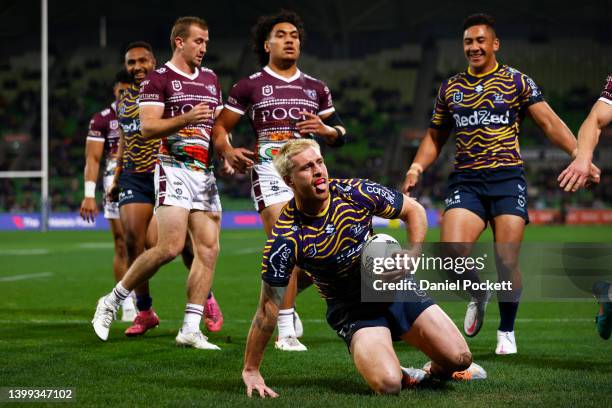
[226, 170]
[405, 267]
[254, 381]
[413, 176]
[89, 209]
[239, 158]
[594, 175]
[313, 124]
[199, 114]
[112, 194]
[576, 175]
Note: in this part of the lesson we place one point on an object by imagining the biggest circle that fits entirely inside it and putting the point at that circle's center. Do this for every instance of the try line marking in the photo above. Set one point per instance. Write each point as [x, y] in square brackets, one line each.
[26, 276]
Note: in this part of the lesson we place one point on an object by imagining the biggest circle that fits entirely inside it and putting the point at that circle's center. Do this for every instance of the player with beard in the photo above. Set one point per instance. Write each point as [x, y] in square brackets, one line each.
[177, 104]
[485, 105]
[577, 175]
[103, 142]
[282, 103]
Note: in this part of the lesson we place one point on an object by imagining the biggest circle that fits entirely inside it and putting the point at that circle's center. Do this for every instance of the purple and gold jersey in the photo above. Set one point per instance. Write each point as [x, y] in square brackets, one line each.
[606, 94]
[274, 104]
[178, 92]
[328, 246]
[104, 128]
[139, 154]
[486, 112]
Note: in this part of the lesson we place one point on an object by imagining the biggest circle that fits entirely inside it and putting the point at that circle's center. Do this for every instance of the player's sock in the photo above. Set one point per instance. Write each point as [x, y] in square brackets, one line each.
[144, 303]
[603, 291]
[193, 317]
[117, 296]
[285, 323]
[507, 311]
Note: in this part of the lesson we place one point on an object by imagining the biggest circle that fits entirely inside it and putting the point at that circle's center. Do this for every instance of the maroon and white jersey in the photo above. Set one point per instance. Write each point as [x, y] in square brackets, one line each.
[606, 94]
[274, 104]
[104, 128]
[178, 92]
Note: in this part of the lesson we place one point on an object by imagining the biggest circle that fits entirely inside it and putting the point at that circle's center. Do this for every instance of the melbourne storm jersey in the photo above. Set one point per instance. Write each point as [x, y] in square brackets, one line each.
[328, 246]
[606, 94]
[274, 104]
[103, 127]
[139, 154]
[178, 93]
[486, 112]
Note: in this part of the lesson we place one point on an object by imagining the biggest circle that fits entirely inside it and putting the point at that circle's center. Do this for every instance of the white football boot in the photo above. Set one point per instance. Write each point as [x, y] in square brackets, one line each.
[194, 339]
[289, 343]
[474, 315]
[413, 376]
[103, 318]
[506, 343]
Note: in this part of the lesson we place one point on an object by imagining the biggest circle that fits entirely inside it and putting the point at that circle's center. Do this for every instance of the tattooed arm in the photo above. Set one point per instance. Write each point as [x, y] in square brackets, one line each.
[261, 329]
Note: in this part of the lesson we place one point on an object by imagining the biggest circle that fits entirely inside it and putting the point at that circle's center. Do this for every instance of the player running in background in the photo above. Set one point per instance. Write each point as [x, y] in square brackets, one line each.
[312, 232]
[282, 103]
[178, 103]
[577, 175]
[103, 142]
[485, 106]
[134, 177]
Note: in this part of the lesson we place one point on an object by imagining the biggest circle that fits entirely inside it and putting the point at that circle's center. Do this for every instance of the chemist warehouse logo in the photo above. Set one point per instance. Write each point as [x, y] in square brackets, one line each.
[482, 117]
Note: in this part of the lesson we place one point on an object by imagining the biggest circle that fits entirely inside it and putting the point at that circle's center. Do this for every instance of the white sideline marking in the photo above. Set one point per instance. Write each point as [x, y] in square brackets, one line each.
[30, 251]
[25, 276]
[96, 245]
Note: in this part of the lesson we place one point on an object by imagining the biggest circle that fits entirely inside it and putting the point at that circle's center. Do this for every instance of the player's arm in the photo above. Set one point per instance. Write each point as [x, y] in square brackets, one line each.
[557, 132]
[153, 126]
[414, 217]
[577, 173]
[113, 191]
[428, 152]
[239, 158]
[261, 330]
[93, 155]
[329, 127]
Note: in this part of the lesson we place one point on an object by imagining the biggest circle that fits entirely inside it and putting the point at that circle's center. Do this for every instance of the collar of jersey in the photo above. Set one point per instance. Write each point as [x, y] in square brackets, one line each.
[282, 78]
[319, 215]
[178, 71]
[469, 71]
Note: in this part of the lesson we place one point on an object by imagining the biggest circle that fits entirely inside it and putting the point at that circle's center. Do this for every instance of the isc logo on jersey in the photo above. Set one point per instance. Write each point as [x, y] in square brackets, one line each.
[482, 117]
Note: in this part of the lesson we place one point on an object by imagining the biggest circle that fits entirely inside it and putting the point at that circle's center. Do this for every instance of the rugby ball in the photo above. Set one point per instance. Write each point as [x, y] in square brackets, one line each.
[377, 246]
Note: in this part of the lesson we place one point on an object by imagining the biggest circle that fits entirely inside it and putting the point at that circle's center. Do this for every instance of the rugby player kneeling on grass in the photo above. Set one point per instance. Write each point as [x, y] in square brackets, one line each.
[321, 230]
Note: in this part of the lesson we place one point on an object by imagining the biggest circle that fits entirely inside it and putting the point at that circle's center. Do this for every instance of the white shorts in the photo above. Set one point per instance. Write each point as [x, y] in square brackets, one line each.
[268, 187]
[111, 208]
[179, 187]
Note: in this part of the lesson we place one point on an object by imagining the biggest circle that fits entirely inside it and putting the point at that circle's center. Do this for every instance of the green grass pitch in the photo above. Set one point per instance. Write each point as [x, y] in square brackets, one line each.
[46, 339]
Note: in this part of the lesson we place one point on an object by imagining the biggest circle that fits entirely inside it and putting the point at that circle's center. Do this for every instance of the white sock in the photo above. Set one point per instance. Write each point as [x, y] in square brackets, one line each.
[129, 303]
[193, 317]
[285, 323]
[117, 296]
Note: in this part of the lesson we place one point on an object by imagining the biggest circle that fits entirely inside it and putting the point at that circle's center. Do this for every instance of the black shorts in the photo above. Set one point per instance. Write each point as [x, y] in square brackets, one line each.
[136, 188]
[346, 318]
[489, 192]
